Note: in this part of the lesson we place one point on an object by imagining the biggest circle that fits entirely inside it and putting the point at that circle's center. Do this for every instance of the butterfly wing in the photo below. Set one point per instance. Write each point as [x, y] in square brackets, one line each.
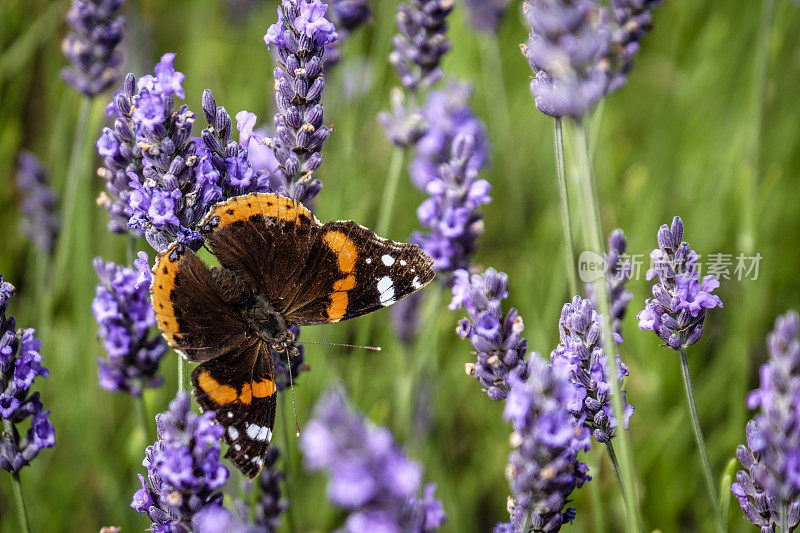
[191, 314]
[240, 389]
[312, 273]
[356, 273]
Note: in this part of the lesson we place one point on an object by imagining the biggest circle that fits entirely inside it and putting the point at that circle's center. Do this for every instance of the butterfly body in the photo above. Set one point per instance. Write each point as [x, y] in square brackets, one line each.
[279, 267]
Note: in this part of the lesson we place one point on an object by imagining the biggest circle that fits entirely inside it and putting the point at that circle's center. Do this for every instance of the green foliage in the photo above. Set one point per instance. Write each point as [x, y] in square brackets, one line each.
[677, 140]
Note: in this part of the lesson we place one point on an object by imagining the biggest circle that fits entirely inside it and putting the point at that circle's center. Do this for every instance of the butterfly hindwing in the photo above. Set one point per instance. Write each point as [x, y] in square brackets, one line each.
[240, 389]
[191, 314]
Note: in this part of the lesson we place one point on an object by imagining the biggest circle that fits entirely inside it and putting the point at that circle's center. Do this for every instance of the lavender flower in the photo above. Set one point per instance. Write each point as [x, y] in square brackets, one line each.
[20, 364]
[165, 201]
[421, 43]
[91, 46]
[371, 477]
[224, 169]
[404, 125]
[486, 15]
[581, 351]
[758, 506]
[122, 158]
[452, 213]
[270, 506]
[543, 469]
[681, 298]
[618, 272]
[634, 21]
[184, 472]
[346, 16]
[40, 221]
[568, 42]
[215, 519]
[447, 115]
[299, 38]
[772, 454]
[496, 337]
[125, 318]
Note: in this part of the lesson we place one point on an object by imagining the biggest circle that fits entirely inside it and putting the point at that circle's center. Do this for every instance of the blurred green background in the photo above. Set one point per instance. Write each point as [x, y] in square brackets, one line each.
[681, 138]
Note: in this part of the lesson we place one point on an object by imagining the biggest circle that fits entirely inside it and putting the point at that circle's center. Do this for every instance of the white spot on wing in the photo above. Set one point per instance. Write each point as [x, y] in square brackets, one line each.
[402, 262]
[387, 259]
[386, 290]
[264, 434]
[368, 260]
[230, 414]
[415, 283]
[233, 433]
[252, 431]
[237, 447]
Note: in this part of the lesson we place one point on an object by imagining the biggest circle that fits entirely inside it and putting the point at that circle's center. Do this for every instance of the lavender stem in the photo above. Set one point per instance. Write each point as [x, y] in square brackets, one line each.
[289, 470]
[593, 232]
[747, 238]
[563, 199]
[183, 373]
[144, 420]
[74, 180]
[389, 191]
[698, 435]
[22, 513]
[784, 513]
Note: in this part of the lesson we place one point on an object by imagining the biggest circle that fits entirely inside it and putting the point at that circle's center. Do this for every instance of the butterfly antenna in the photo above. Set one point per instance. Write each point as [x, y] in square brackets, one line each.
[291, 386]
[373, 348]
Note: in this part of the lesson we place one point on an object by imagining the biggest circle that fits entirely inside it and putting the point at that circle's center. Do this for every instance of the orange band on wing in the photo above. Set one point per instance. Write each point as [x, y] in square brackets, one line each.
[266, 204]
[164, 273]
[219, 394]
[344, 248]
[264, 388]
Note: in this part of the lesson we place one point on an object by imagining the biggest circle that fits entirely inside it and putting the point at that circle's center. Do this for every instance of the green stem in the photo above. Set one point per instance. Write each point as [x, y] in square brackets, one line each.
[16, 485]
[425, 355]
[698, 435]
[75, 180]
[22, 513]
[593, 232]
[288, 471]
[759, 97]
[784, 514]
[144, 419]
[612, 456]
[183, 372]
[596, 502]
[389, 191]
[563, 200]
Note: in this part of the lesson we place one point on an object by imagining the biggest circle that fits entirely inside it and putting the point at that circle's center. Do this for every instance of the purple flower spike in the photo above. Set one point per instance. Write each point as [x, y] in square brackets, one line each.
[496, 337]
[149, 161]
[421, 43]
[452, 212]
[486, 15]
[581, 351]
[543, 469]
[773, 436]
[370, 476]
[20, 365]
[40, 222]
[568, 41]
[299, 39]
[91, 46]
[447, 115]
[680, 298]
[125, 318]
[184, 472]
[618, 273]
[634, 21]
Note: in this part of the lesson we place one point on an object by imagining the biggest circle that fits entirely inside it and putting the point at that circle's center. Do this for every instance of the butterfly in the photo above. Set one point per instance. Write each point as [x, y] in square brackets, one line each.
[279, 266]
